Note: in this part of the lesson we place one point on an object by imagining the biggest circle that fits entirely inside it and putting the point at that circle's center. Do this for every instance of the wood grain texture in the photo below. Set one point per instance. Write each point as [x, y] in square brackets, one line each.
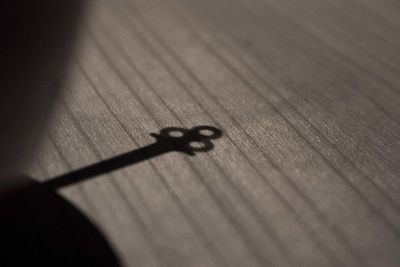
[307, 94]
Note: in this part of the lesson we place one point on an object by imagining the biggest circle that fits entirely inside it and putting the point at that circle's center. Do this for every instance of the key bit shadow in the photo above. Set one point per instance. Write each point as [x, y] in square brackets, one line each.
[40, 228]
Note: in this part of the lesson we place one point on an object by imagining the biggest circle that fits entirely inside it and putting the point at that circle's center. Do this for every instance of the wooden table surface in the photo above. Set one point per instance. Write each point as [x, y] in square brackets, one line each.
[307, 95]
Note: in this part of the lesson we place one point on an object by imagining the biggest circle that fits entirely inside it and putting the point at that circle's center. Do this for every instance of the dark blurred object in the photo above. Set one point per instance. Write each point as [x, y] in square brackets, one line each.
[37, 38]
[40, 228]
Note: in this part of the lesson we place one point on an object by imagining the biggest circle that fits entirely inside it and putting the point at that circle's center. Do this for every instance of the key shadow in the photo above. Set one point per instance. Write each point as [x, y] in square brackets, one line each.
[40, 228]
